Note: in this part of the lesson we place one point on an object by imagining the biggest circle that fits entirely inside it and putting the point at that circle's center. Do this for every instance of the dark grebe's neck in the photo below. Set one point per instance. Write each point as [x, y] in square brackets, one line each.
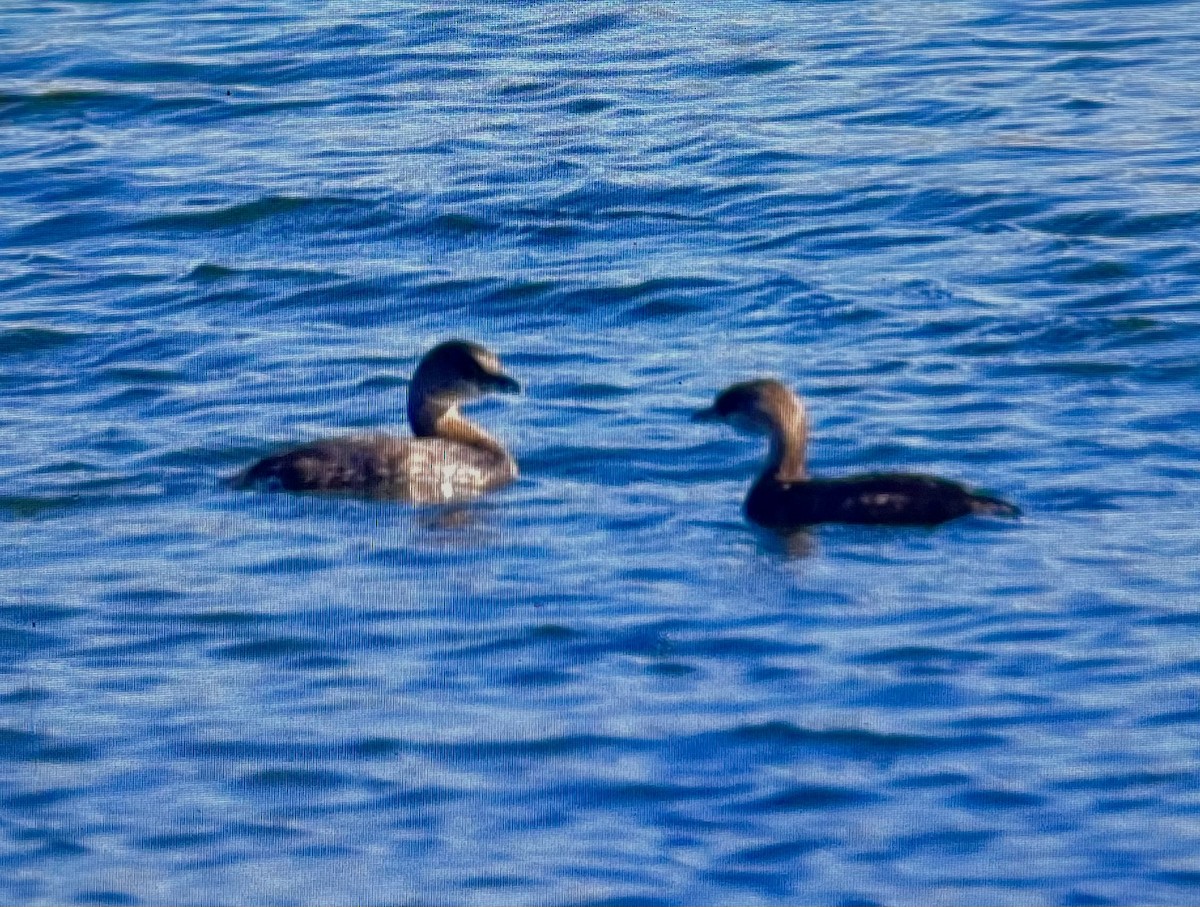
[787, 457]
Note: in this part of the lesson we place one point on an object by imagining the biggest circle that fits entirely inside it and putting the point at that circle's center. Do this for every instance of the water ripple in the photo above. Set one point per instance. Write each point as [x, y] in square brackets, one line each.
[965, 236]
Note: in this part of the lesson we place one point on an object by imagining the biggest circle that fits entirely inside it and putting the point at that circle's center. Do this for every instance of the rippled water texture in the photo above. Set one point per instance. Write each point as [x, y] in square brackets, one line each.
[966, 231]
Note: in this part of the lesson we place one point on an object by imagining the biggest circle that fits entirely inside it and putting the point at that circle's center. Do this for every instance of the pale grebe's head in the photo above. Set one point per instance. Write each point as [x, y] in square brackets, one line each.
[458, 371]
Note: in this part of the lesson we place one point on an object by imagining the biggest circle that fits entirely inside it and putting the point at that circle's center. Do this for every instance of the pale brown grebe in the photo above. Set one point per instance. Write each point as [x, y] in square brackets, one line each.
[448, 459]
[784, 497]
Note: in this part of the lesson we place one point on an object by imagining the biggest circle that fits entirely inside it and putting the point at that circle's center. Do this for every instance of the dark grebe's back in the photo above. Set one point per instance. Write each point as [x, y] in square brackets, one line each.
[784, 497]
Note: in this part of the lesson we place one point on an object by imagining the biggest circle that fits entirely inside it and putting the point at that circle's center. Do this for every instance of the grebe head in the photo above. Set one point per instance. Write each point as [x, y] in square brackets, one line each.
[452, 373]
[457, 371]
[765, 406]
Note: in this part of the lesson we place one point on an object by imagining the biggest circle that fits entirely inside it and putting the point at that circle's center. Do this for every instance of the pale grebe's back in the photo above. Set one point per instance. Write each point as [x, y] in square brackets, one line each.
[448, 459]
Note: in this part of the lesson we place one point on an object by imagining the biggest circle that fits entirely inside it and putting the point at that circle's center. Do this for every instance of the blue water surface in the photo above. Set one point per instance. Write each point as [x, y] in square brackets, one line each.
[968, 232]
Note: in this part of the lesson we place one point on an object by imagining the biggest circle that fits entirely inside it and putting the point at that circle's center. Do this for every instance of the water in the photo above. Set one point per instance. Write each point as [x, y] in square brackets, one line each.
[966, 231]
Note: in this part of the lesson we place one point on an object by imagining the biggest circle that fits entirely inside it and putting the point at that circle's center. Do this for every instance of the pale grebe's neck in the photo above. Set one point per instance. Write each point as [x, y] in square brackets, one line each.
[431, 418]
[453, 426]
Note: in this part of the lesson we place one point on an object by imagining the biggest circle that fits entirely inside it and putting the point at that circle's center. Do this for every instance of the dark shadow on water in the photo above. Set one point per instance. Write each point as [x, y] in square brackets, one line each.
[804, 543]
[800, 544]
[457, 525]
[451, 517]
[794, 545]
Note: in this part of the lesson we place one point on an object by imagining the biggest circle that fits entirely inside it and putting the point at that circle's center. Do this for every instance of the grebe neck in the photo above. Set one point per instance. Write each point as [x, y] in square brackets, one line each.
[431, 420]
[787, 457]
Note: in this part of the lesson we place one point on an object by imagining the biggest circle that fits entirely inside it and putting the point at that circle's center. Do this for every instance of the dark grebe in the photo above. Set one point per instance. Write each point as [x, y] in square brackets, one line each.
[450, 459]
[784, 497]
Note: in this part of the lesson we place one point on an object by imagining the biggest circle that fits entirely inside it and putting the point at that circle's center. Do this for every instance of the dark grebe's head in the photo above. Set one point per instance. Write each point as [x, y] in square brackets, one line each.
[765, 405]
[456, 371]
